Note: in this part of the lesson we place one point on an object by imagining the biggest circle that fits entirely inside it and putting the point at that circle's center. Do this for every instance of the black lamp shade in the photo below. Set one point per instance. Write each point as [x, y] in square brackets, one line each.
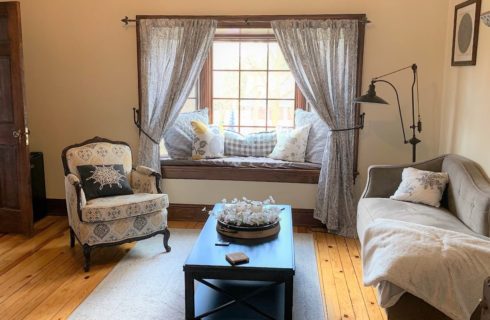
[370, 97]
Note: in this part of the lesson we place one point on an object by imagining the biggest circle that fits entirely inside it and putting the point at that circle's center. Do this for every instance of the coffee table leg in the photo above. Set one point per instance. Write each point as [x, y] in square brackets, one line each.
[189, 296]
[288, 299]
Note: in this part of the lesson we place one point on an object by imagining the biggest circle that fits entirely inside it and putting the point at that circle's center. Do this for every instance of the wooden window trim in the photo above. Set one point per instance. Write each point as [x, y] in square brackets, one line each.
[263, 21]
[308, 176]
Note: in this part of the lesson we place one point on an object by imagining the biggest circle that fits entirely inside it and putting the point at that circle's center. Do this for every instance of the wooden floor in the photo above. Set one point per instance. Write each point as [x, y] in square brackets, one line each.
[42, 278]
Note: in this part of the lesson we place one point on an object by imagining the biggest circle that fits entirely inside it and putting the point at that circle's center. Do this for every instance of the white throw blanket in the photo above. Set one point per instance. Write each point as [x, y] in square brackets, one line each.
[444, 268]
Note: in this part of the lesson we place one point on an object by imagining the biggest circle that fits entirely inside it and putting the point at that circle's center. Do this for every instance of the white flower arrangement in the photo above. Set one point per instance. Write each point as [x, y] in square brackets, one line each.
[247, 212]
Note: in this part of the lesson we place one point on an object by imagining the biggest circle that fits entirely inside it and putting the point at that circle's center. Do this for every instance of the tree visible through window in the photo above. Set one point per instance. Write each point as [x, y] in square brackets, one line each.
[253, 89]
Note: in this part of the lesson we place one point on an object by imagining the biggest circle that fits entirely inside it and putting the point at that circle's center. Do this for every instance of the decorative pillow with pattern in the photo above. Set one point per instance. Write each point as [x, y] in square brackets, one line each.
[104, 180]
[209, 141]
[421, 186]
[179, 138]
[317, 137]
[258, 144]
[291, 144]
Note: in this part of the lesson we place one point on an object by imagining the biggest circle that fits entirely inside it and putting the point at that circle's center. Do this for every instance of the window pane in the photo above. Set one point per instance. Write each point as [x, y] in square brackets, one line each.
[253, 56]
[253, 84]
[225, 84]
[281, 85]
[276, 59]
[252, 112]
[225, 112]
[225, 55]
[190, 105]
[280, 113]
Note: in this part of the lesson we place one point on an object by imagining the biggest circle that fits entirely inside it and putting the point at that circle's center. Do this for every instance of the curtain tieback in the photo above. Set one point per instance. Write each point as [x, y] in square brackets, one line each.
[137, 122]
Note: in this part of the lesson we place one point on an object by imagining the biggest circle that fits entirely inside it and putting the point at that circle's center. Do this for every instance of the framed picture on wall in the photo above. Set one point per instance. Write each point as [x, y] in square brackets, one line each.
[465, 33]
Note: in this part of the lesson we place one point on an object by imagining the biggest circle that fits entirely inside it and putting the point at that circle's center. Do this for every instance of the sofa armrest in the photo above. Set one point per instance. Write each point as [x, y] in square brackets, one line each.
[383, 180]
[75, 197]
[145, 180]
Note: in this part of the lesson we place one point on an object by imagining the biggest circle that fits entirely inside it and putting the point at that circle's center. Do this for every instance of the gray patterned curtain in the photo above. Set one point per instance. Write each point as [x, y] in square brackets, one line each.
[172, 53]
[322, 56]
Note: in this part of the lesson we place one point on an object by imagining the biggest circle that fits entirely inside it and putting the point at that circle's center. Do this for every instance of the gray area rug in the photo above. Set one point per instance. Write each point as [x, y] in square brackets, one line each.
[149, 284]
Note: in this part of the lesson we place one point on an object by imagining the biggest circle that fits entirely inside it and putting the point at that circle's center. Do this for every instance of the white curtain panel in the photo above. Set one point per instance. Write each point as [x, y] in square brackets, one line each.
[322, 55]
[172, 53]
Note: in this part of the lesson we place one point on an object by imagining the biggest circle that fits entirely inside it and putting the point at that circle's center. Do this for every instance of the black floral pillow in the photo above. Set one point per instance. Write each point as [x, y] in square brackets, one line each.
[104, 180]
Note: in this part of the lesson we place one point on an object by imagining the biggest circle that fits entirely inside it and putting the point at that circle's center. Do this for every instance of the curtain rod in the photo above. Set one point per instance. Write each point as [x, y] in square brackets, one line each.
[126, 20]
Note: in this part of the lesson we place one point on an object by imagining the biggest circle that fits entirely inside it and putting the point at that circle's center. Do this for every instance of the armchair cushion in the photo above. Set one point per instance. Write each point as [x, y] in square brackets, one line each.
[104, 180]
[98, 153]
[125, 206]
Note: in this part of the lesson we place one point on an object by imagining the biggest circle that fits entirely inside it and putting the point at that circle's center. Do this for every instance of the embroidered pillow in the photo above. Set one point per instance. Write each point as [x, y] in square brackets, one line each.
[178, 138]
[317, 137]
[291, 144]
[421, 186]
[258, 144]
[209, 141]
[103, 180]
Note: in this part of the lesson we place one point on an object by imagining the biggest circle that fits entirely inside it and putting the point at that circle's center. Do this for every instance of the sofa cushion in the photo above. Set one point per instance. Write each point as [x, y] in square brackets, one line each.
[104, 181]
[421, 186]
[208, 141]
[258, 144]
[291, 144]
[178, 138]
[119, 207]
[317, 137]
[370, 209]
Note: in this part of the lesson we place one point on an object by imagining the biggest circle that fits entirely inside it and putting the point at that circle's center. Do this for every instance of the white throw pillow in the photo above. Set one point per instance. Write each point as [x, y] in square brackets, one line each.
[291, 144]
[421, 186]
[209, 141]
[317, 138]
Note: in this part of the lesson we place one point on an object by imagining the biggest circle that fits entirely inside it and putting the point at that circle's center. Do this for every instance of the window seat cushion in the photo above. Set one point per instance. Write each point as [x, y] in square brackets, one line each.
[242, 162]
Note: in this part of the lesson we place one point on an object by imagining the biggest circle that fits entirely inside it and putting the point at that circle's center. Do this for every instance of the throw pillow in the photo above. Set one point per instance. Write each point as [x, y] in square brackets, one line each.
[209, 141]
[104, 180]
[258, 144]
[421, 186]
[317, 136]
[291, 144]
[179, 138]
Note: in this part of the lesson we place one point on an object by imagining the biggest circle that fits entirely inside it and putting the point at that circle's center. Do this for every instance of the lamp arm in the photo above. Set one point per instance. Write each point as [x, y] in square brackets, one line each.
[399, 107]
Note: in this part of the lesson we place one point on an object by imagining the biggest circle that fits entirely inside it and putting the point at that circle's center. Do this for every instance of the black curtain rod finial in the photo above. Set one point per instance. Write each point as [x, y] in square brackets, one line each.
[126, 20]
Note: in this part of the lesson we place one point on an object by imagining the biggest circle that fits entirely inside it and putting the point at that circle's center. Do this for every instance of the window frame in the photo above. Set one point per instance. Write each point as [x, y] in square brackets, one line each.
[205, 84]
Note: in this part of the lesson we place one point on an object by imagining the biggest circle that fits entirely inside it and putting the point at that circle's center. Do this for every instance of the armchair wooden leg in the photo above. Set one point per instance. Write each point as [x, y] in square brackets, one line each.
[166, 236]
[72, 238]
[86, 257]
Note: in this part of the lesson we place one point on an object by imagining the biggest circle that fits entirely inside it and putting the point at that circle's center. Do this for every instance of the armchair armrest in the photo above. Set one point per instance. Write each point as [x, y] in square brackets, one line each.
[147, 171]
[75, 197]
[383, 180]
[145, 180]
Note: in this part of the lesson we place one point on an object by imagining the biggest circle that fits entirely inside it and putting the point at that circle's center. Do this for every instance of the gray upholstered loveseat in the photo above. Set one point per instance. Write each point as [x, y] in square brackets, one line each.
[465, 207]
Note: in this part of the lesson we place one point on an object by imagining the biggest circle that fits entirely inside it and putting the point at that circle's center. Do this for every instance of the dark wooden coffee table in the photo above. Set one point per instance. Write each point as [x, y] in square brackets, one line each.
[263, 287]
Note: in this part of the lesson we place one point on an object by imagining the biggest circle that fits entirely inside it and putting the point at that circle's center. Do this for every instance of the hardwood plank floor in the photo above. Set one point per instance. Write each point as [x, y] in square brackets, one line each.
[42, 278]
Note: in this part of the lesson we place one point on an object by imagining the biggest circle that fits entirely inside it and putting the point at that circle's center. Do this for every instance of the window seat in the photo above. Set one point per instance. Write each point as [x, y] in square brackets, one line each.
[241, 169]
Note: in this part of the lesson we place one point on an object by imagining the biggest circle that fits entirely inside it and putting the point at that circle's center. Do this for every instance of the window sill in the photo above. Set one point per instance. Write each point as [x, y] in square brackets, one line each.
[285, 175]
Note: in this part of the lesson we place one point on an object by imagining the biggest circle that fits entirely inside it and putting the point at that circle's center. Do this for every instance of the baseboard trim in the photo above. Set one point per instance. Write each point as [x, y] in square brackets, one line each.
[199, 213]
[195, 213]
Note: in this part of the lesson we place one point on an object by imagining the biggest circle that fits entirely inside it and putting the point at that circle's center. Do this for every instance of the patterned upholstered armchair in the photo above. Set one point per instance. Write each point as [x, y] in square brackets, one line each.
[116, 219]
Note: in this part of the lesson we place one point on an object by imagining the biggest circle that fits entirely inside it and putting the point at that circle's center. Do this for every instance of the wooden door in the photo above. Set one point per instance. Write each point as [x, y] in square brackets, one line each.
[15, 182]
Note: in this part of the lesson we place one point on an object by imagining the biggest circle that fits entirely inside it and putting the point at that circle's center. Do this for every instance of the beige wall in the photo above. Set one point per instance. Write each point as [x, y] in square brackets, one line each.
[465, 114]
[80, 67]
